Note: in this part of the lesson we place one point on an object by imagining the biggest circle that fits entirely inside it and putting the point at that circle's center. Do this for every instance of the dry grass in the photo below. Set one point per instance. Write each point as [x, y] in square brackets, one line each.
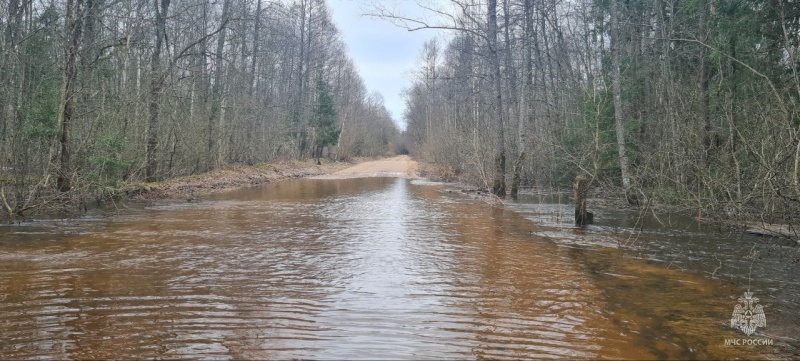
[437, 173]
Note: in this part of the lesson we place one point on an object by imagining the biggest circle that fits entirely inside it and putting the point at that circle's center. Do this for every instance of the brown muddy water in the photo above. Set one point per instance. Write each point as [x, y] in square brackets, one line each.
[382, 268]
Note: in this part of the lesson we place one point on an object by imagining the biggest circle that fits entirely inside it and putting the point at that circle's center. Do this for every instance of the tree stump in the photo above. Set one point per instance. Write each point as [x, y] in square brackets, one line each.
[581, 190]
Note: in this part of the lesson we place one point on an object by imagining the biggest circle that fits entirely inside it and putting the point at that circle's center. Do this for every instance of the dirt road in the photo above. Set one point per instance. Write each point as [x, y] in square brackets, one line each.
[400, 166]
[234, 177]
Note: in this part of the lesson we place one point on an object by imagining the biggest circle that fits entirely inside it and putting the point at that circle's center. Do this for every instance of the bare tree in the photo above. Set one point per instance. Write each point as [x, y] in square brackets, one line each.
[499, 180]
[619, 112]
[73, 22]
[215, 117]
[156, 87]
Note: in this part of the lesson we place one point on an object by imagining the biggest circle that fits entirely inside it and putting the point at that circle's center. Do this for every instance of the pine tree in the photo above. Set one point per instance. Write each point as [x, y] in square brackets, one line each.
[325, 131]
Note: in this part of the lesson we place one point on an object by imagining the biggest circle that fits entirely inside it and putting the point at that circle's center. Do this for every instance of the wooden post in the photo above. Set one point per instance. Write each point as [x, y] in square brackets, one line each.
[581, 189]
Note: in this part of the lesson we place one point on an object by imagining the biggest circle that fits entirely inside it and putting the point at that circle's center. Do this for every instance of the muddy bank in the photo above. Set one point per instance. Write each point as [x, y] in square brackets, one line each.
[239, 176]
[230, 177]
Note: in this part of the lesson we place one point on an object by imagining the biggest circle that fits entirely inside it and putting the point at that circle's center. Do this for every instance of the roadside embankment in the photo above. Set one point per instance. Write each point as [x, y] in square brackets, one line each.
[240, 176]
[228, 178]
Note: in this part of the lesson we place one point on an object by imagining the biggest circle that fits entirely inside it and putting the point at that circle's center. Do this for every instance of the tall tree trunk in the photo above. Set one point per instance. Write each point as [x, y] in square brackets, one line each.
[548, 81]
[526, 108]
[89, 34]
[732, 120]
[298, 106]
[215, 118]
[256, 45]
[705, 80]
[10, 93]
[510, 70]
[499, 181]
[619, 114]
[156, 86]
[73, 24]
[203, 84]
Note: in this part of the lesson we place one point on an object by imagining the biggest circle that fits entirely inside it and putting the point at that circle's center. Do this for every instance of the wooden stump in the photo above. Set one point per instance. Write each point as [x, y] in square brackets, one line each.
[581, 190]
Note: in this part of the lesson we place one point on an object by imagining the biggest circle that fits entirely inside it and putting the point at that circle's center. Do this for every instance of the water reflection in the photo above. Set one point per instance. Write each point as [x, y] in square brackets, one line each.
[346, 269]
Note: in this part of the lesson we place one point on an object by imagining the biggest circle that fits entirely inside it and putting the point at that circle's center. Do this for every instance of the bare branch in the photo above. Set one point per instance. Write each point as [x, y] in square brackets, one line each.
[415, 24]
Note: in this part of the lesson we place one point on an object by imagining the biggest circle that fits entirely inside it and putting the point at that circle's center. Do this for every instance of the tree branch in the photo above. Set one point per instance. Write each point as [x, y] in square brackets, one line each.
[412, 24]
[753, 70]
[184, 51]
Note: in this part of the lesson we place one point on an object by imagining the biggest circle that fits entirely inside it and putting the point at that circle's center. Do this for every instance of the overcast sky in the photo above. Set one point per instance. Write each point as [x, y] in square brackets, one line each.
[384, 53]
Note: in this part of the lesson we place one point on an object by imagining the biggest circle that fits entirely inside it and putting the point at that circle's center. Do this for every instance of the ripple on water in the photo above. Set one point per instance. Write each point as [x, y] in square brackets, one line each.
[359, 268]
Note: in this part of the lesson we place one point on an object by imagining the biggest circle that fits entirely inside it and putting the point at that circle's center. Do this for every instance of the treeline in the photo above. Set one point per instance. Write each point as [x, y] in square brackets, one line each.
[98, 92]
[690, 102]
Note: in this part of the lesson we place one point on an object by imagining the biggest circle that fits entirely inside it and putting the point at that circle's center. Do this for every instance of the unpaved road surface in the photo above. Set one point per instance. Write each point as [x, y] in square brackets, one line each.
[400, 166]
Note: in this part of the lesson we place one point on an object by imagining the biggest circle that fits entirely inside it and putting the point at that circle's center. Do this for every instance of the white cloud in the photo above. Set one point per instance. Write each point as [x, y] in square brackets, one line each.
[383, 52]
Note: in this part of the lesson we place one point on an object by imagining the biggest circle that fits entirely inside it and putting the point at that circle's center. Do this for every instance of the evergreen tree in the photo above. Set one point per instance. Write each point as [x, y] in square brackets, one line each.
[324, 130]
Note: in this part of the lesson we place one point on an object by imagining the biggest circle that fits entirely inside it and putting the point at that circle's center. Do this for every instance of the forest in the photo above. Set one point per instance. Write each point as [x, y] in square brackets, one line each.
[683, 103]
[99, 93]
[689, 104]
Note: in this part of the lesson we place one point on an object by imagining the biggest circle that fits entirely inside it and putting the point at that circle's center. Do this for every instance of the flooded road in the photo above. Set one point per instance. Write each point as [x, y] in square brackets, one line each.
[369, 268]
